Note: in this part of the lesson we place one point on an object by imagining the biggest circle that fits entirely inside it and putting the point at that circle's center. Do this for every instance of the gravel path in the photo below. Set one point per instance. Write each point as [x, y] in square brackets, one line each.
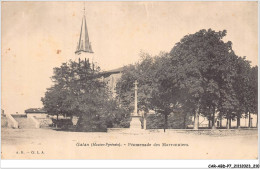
[125, 144]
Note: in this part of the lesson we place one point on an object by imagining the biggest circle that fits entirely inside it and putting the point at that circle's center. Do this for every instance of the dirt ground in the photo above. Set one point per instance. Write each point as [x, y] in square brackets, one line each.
[126, 144]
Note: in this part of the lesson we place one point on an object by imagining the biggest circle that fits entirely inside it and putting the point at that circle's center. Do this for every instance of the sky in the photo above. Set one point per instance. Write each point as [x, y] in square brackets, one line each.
[38, 36]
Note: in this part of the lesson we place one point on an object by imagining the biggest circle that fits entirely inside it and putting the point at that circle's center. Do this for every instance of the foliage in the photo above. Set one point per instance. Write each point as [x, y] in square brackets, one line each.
[79, 91]
[151, 89]
[208, 70]
[201, 75]
[175, 121]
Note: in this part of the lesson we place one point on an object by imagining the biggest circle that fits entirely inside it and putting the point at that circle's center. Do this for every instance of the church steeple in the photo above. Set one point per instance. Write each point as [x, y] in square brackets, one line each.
[84, 45]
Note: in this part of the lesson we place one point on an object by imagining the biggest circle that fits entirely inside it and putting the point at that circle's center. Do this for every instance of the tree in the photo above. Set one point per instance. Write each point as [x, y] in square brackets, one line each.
[143, 73]
[201, 74]
[241, 86]
[116, 116]
[54, 100]
[204, 70]
[79, 91]
[165, 96]
[252, 94]
[152, 94]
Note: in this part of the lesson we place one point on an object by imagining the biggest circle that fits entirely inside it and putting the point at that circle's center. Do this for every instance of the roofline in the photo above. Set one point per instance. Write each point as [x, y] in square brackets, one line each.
[113, 71]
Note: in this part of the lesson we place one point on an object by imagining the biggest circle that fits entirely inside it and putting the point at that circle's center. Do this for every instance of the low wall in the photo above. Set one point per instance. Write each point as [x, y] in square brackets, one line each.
[202, 131]
[11, 121]
[117, 129]
[44, 122]
[37, 115]
[36, 122]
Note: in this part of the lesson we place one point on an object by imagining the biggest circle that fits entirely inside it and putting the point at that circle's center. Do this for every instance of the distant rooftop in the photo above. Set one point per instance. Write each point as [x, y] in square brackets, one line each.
[35, 110]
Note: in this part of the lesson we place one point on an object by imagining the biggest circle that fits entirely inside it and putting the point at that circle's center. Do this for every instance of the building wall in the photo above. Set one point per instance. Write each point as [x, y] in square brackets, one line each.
[111, 81]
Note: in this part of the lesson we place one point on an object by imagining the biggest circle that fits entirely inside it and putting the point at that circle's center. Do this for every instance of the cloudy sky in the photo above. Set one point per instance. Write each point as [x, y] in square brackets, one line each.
[33, 32]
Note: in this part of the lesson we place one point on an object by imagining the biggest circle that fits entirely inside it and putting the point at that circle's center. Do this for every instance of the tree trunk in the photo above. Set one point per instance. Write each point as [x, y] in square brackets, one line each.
[79, 123]
[238, 120]
[209, 125]
[209, 118]
[165, 122]
[249, 121]
[213, 118]
[184, 120]
[229, 123]
[57, 121]
[144, 125]
[257, 120]
[196, 119]
[220, 119]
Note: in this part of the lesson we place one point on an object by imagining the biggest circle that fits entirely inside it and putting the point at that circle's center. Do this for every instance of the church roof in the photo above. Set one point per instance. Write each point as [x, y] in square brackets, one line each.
[116, 70]
[113, 71]
[84, 45]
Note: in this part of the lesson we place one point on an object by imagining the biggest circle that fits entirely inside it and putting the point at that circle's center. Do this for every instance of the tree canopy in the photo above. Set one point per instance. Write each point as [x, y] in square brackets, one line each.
[79, 91]
[201, 75]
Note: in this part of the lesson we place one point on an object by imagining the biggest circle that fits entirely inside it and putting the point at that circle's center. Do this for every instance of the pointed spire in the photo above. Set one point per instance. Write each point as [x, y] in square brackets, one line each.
[84, 45]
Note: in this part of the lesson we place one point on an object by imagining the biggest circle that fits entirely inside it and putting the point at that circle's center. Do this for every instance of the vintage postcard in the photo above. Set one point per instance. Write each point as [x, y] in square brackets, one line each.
[129, 80]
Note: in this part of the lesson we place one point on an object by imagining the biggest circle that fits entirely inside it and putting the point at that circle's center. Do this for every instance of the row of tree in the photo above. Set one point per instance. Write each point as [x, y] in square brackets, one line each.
[201, 75]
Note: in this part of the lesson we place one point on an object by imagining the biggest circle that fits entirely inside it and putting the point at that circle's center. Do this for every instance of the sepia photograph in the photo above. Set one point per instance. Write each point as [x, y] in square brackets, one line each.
[129, 80]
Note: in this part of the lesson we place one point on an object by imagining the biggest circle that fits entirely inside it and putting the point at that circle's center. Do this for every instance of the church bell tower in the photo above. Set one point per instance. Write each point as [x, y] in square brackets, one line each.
[84, 49]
